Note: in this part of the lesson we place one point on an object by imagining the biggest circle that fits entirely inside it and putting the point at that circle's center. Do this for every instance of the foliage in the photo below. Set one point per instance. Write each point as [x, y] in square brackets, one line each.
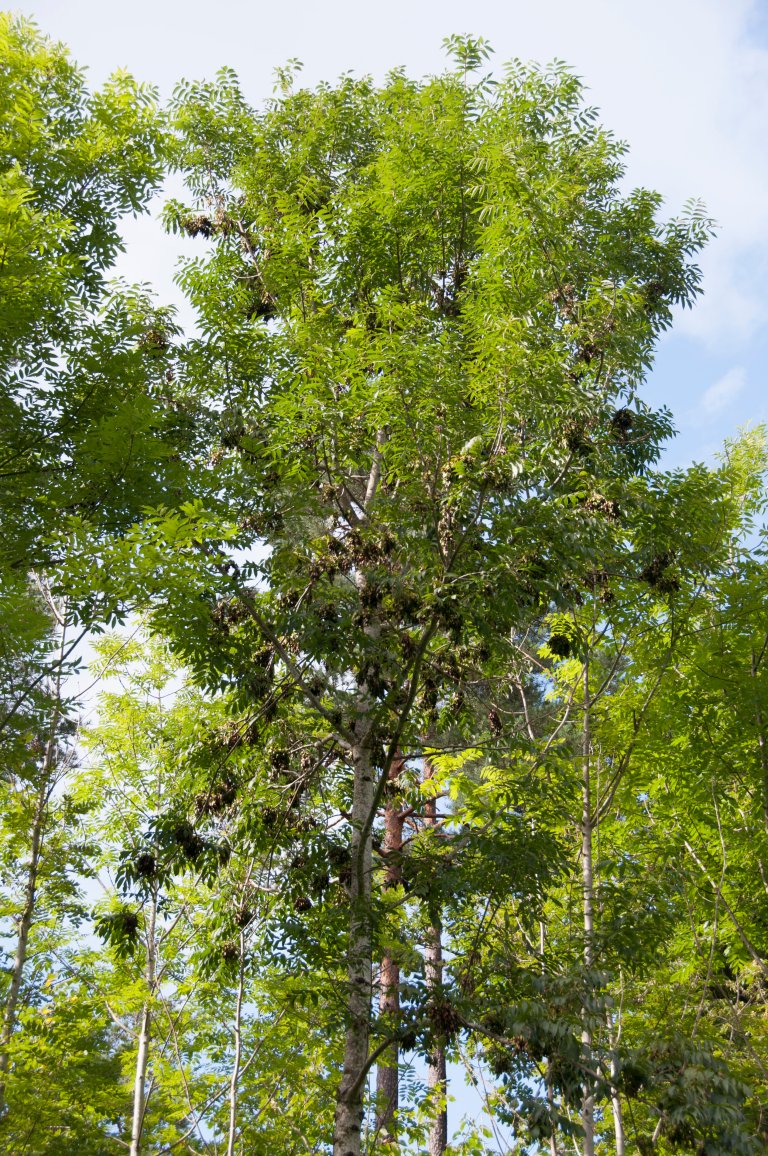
[426, 669]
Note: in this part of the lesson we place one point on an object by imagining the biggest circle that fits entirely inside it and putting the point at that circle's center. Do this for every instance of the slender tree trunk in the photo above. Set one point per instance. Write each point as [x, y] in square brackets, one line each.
[437, 1077]
[588, 1103]
[553, 1151]
[618, 1115]
[550, 1091]
[27, 916]
[348, 1121]
[25, 924]
[614, 1024]
[237, 1032]
[761, 745]
[387, 1074]
[145, 1027]
[437, 1081]
[349, 1100]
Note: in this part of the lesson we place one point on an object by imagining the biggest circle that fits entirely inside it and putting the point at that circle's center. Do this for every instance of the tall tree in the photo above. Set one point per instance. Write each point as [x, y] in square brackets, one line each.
[427, 312]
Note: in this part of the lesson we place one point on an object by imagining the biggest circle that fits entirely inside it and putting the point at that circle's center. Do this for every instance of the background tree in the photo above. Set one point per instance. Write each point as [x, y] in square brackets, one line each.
[223, 1038]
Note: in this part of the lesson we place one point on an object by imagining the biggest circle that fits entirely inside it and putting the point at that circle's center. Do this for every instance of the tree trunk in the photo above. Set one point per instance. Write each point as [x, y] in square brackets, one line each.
[588, 1102]
[237, 1032]
[145, 1025]
[139, 1082]
[618, 1115]
[387, 1075]
[30, 890]
[437, 1081]
[436, 1070]
[761, 744]
[349, 1099]
[25, 924]
[550, 1091]
[553, 1151]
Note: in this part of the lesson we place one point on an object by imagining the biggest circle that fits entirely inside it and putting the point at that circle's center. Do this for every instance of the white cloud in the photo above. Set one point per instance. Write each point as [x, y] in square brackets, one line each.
[732, 310]
[722, 392]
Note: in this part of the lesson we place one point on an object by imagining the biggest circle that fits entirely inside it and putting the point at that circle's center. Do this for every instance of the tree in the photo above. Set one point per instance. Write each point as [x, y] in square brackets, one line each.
[84, 397]
[694, 792]
[198, 980]
[427, 311]
[651, 937]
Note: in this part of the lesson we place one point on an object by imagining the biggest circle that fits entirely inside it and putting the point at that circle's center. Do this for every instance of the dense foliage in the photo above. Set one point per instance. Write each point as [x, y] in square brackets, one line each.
[374, 709]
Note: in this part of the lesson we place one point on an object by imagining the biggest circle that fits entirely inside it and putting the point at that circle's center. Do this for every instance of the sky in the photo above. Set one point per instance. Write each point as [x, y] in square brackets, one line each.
[684, 82]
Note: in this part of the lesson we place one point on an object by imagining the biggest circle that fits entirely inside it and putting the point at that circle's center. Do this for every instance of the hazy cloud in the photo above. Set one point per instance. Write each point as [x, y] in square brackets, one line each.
[721, 393]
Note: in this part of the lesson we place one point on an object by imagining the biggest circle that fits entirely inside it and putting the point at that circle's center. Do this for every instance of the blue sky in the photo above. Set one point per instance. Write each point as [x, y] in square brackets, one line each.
[685, 82]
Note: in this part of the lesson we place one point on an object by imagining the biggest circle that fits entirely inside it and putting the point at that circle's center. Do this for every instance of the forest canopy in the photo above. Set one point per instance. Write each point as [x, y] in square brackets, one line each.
[379, 718]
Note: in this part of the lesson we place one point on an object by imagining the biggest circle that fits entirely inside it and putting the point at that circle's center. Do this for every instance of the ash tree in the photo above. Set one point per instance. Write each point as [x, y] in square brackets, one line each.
[426, 308]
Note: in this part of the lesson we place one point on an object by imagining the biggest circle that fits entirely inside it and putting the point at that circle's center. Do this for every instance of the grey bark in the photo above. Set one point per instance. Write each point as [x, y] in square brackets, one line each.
[145, 1028]
[437, 1078]
[550, 1091]
[27, 915]
[347, 1132]
[588, 1103]
[387, 1074]
[25, 924]
[618, 1115]
[237, 1032]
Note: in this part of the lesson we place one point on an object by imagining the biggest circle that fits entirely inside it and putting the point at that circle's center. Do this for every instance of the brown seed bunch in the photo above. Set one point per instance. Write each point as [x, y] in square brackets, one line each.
[622, 423]
[217, 799]
[654, 293]
[243, 917]
[155, 340]
[281, 760]
[230, 612]
[198, 224]
[578, 442]
[145, 865]
[588, 352]
[500, 1060]
[444, 1020]
[655, 574]
[598, 504]
[596, 579]
[188, 841]
[495, 723]
[560, 645]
